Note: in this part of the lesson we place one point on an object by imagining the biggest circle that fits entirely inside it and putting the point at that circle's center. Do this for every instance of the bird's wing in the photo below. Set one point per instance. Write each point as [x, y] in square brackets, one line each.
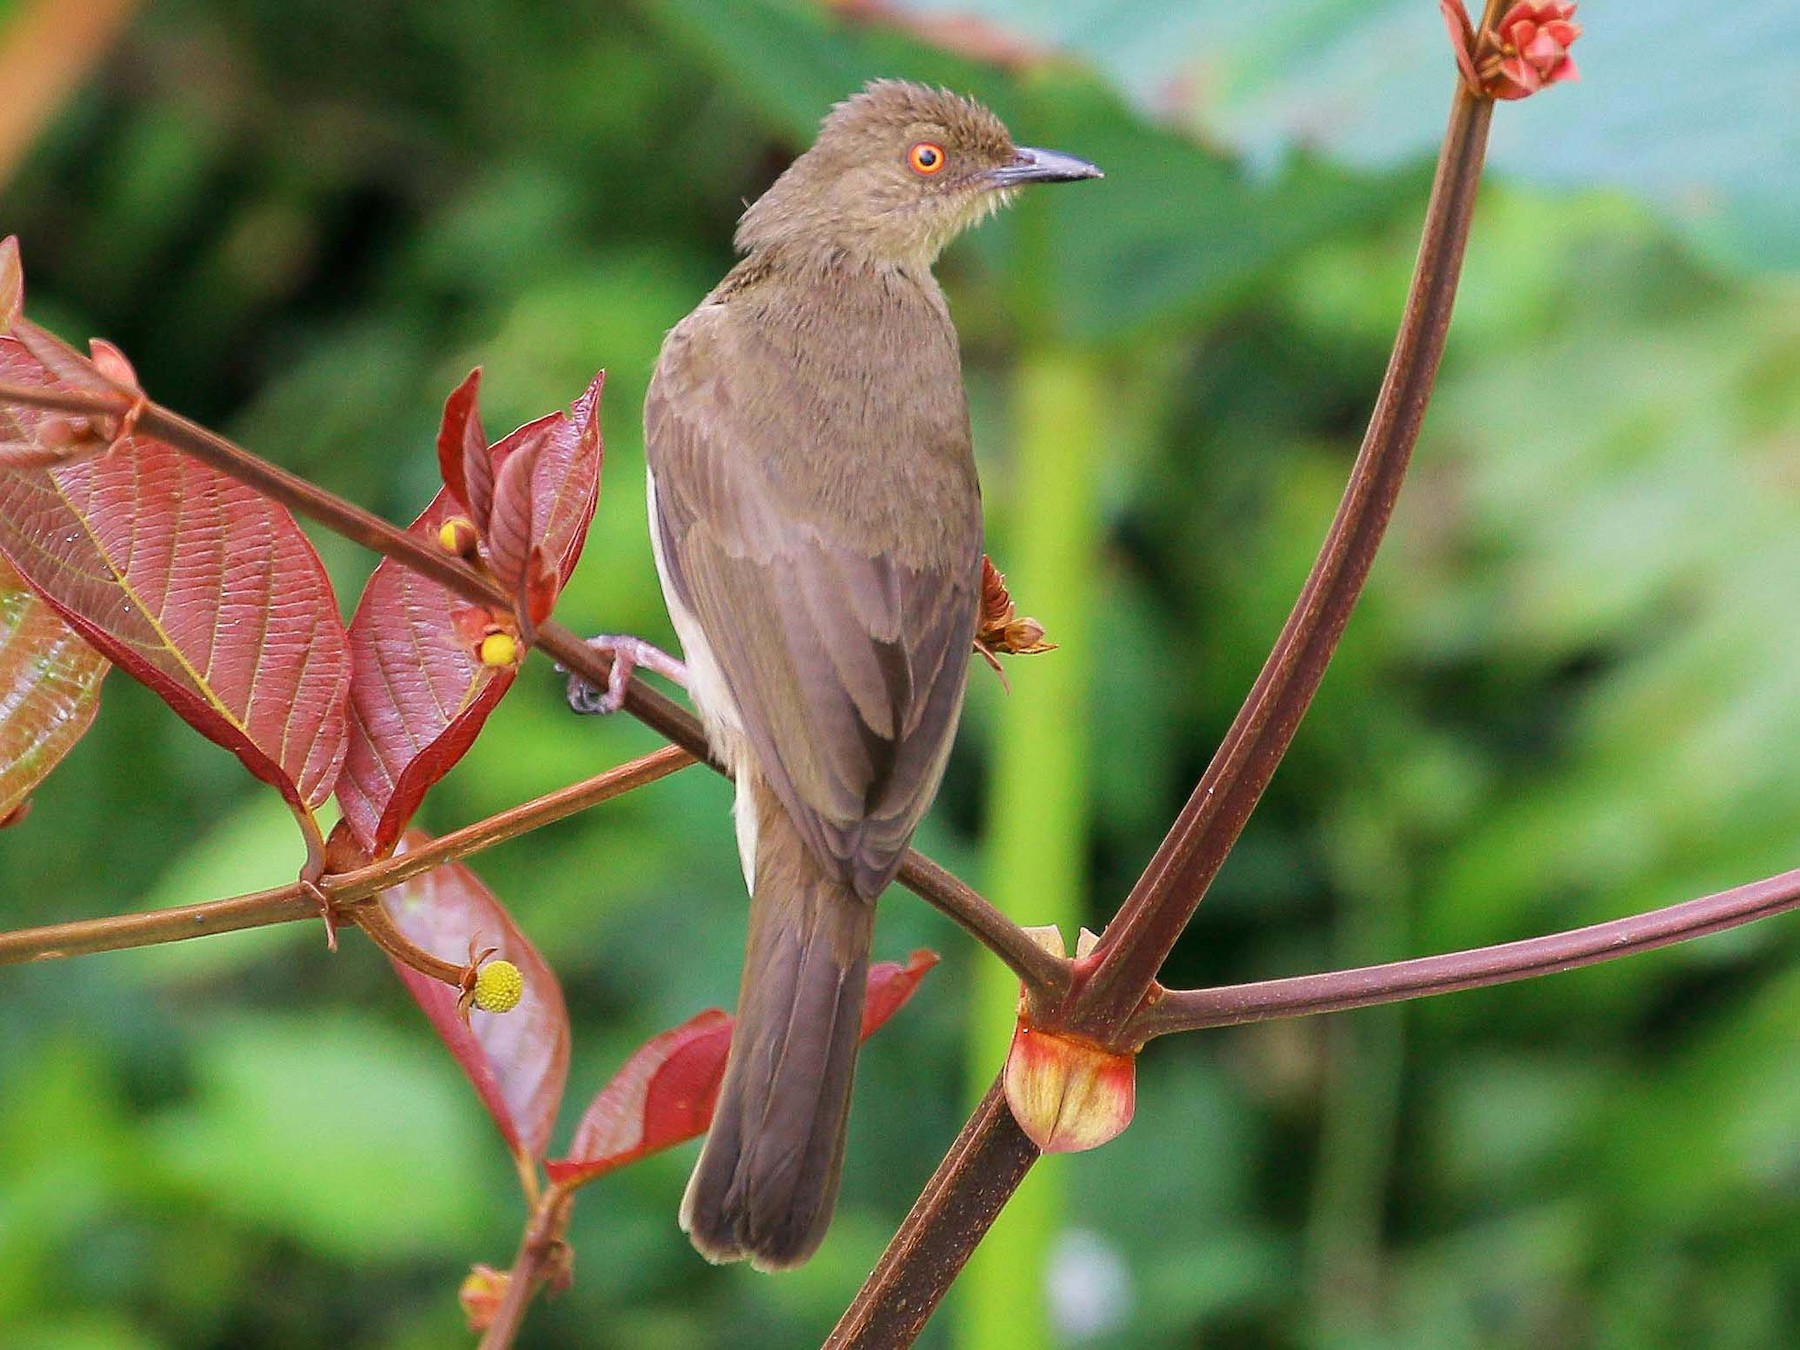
[846, 667]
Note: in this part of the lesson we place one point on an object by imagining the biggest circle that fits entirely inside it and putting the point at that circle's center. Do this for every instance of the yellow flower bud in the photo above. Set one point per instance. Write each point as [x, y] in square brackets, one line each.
[498, 649]
[457, 535]
[499, 987]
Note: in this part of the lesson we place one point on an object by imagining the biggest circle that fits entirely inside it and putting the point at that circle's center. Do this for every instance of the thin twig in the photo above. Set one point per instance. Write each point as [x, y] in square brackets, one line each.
[84, 937]
[1367, 986]
[1041, 971]
[346, 890]
[540, 1249]
[1044, 974]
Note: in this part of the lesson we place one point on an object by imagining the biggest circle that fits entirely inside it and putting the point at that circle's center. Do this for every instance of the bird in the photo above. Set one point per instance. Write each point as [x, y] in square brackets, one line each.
[816, 523]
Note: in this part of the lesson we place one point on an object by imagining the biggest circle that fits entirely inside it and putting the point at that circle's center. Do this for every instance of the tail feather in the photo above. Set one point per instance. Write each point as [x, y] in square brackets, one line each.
[767, 1178]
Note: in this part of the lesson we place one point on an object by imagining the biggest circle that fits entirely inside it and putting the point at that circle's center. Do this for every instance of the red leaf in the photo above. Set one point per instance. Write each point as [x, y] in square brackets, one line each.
[666, 1091]
[195, 584]
[891, 985]
[463, 456]
[511, 528]
[418, 696]
[202, 589]
[664, 1094]
[564, 483]
[517, 1060]
[49, 685]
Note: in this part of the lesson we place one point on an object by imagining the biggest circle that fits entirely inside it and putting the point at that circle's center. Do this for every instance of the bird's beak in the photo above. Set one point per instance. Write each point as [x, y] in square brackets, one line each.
[1042, 166]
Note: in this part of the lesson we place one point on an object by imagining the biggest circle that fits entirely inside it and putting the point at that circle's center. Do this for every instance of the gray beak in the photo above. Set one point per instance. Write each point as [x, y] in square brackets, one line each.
[1042, 166]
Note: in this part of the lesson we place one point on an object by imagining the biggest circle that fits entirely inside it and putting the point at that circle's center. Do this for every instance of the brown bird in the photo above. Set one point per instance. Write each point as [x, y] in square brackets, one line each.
[817, 527]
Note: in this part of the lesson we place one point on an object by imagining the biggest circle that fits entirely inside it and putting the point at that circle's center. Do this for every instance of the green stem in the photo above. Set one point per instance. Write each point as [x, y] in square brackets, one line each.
[1038, 812]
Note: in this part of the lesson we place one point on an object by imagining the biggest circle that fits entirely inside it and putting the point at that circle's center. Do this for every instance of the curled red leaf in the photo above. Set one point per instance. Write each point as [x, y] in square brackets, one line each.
[422, 689]
[517, 1061]
[463, 456]
[665, 1093]
[546, 485]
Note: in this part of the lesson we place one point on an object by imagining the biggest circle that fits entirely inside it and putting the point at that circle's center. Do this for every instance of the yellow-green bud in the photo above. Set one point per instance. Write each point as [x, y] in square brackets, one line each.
[499, 987]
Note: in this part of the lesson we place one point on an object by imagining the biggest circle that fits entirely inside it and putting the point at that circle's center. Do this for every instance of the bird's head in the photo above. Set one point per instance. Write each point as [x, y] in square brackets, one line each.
[897, 172]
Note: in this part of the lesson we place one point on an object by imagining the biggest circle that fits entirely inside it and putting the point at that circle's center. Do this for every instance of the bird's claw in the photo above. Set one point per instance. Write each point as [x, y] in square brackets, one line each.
[627, 653]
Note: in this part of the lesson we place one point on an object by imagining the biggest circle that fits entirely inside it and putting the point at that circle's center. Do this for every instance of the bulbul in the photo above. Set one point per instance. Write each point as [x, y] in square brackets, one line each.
[816, 521]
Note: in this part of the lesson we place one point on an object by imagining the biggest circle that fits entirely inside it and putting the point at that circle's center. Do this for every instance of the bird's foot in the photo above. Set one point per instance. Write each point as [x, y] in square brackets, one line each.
[627, 653]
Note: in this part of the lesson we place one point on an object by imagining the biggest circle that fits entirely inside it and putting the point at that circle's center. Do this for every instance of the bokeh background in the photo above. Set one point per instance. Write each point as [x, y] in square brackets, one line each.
[1571, 691]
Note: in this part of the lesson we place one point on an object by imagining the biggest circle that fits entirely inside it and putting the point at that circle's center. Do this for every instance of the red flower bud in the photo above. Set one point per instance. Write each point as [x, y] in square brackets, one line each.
[1527, 50]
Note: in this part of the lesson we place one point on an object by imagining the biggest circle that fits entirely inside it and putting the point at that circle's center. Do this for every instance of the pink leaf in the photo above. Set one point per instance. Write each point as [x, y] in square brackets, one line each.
[418, 696]
[666, 1091]
[193, 583]
[511, 527]
[564, 479]
[517, 1061]
[49, 688]
[463, 451]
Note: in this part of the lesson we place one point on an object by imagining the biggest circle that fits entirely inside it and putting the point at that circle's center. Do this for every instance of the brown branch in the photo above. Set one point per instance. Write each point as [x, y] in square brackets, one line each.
[1041, 971]
[1122, 969]
[1045, 975]
[952, 1214]
[1367, 986]
[987, 1165]
[346, 890]
[84, 937]
[541, 1258]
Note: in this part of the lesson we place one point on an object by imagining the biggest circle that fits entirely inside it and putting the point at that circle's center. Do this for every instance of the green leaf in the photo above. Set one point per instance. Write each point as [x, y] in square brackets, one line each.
[1175, 229]
[1694, 112]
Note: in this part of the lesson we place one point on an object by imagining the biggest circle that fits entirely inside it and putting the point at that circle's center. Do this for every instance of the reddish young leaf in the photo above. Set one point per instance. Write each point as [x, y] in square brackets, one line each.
[891, 985]
[418, 694]
[202, 589]
[564, 481]
[511, 528]
[195, 584]
[49, 687]
[517, 1060]
[463, 455]
[666, 1091]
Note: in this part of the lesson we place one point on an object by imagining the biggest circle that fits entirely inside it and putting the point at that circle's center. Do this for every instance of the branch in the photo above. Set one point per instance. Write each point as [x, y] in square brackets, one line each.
[1041, 971]
[952, 1214]
[992, 1155]
[1121, 970]
[1367, 986]
[346, 890]
[1045, 975]
[542, 1258]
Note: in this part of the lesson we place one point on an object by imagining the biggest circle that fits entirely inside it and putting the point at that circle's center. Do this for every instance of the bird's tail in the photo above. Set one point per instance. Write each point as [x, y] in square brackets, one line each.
[767, 1178]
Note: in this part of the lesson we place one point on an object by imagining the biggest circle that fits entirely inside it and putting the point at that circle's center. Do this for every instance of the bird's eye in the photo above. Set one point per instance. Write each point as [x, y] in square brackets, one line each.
[925, 158]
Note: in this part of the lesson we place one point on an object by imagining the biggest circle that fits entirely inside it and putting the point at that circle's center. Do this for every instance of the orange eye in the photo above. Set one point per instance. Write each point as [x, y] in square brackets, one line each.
[925, 158]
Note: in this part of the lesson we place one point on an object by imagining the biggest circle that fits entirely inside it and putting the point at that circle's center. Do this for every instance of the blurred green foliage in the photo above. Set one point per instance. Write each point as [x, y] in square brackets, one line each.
[1569, 693]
